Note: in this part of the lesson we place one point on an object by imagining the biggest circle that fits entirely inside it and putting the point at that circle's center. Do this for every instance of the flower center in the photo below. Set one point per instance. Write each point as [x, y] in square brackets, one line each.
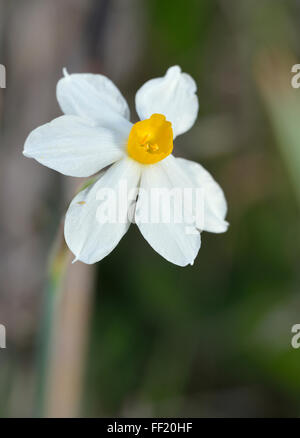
[150, 140]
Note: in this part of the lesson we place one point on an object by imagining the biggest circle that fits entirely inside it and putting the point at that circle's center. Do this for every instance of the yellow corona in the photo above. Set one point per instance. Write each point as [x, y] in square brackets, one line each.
[150, 140]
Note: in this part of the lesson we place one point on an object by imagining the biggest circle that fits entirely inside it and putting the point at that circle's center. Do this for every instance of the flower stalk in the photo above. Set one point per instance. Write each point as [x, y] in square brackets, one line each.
[64, 334]
[57, 264]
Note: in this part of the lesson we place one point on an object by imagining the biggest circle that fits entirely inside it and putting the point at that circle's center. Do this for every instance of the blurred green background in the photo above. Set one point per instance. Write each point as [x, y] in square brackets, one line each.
[213, 339]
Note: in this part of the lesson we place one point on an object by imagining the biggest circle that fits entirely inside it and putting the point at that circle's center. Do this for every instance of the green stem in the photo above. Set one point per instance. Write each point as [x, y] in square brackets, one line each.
[58, 263]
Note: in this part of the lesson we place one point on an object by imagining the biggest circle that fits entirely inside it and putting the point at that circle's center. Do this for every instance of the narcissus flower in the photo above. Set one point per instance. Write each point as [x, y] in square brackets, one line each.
[95, 133]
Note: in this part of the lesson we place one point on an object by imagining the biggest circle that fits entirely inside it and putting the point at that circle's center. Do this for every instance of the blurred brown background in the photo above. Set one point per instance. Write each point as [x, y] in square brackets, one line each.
[209, 340]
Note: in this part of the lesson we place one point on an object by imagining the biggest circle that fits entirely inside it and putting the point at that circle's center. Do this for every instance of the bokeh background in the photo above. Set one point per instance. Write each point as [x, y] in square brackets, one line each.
[135, 335]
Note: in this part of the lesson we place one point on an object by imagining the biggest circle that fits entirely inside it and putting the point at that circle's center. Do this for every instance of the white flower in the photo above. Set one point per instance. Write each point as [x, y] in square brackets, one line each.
[95, 132]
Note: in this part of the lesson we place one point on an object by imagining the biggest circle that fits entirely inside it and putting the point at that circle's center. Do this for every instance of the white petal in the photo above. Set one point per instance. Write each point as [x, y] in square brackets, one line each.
[173, 95]
[214, 202]
[92, 96]
[179, 243]
[89, 235]
[74, 146]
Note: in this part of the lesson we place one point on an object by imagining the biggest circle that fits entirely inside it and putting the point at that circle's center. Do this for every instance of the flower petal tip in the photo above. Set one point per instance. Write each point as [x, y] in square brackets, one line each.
[226, 225]
[65, 72]
[175, 69]
[27, 154]
[75, 260]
